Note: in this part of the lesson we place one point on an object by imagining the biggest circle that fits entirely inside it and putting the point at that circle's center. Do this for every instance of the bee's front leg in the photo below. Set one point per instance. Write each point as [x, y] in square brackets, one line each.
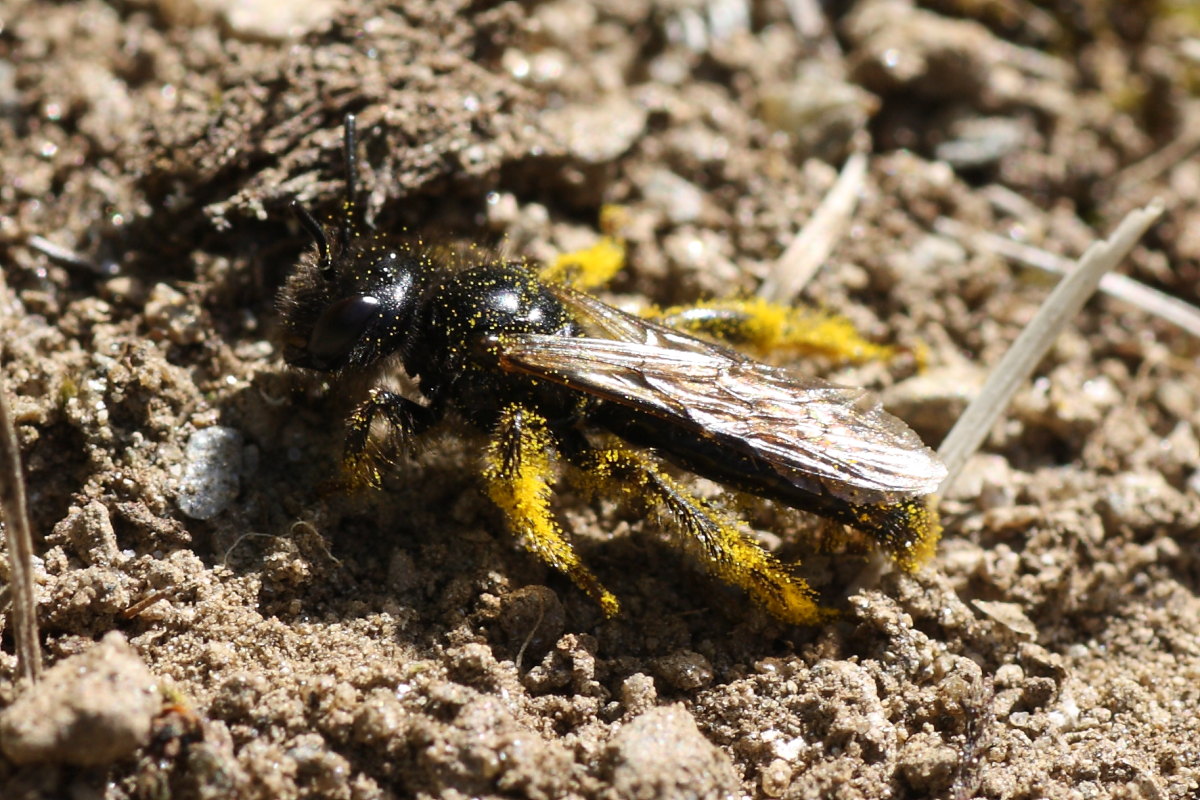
[408, 419]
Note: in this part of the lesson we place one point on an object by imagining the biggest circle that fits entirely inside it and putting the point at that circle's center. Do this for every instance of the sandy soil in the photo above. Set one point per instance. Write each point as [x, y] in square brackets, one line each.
[301, 642]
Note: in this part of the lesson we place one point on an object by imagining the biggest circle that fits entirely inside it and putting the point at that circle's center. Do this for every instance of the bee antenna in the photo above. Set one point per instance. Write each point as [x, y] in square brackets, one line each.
[349, 145]
[318, 234]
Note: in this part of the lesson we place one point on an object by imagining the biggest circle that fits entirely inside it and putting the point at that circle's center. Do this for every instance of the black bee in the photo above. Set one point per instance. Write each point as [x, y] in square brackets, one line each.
[554, 376]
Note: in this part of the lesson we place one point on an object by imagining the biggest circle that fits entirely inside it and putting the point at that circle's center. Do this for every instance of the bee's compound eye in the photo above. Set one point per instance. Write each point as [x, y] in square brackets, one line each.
[339, 329]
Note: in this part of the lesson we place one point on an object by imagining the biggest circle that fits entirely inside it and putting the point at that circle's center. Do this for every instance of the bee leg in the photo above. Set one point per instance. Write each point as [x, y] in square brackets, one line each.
[407, 418]
[725, 551]
[518, 474]
[595, 265]
[907, 531]
[770, 327]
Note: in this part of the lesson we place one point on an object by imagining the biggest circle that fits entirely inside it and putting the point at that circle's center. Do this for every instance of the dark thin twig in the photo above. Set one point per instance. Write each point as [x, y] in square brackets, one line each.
[71, 258]
[529, 638]
[20, 542]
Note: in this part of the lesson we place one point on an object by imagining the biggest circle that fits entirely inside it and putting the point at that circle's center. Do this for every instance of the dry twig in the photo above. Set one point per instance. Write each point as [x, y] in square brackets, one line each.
[813, 244]
[1022, 358]
[1115, 285]
[20, 542]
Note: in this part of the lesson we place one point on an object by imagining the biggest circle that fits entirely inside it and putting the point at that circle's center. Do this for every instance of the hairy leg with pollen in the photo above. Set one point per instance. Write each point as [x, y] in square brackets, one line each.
[407, 419]
[907, 531]
[752, 322]
[518, 475]
[767, 327]
[724, 550]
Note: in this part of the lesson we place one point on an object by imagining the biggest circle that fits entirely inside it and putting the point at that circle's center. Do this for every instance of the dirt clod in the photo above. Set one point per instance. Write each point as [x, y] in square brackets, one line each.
[661, 753]
[89, 710]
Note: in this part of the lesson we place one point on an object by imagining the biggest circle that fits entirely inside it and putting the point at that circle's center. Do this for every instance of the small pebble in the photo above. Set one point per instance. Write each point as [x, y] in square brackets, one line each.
[251, 19]
[775, 778]
[1010, 615]
[170, 314]
[679, 200]
[596, 133]
[212, 472]
[982, 142]
[684, 670]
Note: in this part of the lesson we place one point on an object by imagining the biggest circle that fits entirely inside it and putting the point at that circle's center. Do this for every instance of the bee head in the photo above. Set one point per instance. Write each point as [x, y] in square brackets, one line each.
[351, 304]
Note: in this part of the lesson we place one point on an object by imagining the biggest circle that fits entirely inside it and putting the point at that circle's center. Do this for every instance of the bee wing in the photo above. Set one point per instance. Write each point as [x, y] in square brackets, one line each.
[804, 427]
[605, 322]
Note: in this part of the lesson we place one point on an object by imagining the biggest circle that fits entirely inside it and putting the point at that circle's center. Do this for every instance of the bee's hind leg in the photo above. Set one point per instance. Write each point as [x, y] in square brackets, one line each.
[724, 550]
[518, 474]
